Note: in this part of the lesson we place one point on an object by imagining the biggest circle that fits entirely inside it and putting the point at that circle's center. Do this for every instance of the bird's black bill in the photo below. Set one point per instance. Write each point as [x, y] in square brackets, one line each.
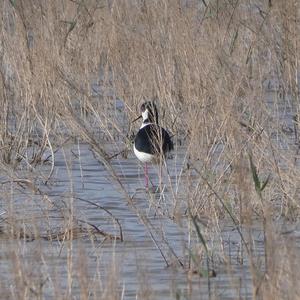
[136, 119]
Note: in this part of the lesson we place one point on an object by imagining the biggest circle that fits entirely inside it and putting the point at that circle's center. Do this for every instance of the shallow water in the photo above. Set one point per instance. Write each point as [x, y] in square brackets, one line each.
[139, 267]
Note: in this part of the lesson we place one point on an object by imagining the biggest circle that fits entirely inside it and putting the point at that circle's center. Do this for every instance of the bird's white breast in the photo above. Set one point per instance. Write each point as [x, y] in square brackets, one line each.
[142, 156]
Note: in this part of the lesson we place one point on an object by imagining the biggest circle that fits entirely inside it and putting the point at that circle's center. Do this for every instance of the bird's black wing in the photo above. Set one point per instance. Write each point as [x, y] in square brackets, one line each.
[150, 138]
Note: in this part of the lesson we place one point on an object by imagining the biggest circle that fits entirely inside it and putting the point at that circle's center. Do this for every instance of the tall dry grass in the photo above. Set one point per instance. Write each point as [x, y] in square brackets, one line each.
[226, 75]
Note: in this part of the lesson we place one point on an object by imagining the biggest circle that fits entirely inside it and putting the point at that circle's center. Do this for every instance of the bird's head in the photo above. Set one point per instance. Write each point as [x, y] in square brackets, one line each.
[149, 112]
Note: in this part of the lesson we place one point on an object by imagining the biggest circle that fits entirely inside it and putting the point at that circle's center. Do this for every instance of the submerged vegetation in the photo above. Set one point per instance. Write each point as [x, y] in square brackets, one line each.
[225, 75]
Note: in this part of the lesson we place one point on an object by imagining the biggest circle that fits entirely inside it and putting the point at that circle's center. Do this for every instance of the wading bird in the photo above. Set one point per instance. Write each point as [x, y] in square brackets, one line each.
[152, 142]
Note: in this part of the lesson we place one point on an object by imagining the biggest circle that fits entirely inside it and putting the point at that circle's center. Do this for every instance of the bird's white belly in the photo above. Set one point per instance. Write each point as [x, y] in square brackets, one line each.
[142, 156]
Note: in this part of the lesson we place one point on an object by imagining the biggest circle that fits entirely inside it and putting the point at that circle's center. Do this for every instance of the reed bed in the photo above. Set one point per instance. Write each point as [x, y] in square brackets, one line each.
[225, 76]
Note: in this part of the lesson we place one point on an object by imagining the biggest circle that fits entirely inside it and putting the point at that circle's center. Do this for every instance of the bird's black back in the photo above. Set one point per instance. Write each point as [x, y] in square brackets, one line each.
[152, 139]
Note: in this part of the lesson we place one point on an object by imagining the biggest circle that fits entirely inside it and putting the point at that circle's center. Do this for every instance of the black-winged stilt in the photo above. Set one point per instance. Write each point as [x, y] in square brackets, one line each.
[152, 142]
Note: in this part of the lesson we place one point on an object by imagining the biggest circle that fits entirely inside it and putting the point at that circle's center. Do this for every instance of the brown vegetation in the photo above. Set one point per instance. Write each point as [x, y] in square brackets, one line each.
[226, 75]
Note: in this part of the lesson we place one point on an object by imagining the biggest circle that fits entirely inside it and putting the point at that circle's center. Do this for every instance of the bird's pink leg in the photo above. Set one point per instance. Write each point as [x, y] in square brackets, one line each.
[146, 175]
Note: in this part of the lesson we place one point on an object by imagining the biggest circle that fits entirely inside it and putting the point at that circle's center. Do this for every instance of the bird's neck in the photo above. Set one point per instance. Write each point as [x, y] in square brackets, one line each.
[145, 123]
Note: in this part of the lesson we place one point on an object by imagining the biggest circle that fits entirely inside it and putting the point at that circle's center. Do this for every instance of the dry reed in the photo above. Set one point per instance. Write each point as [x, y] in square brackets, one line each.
[226, 75]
